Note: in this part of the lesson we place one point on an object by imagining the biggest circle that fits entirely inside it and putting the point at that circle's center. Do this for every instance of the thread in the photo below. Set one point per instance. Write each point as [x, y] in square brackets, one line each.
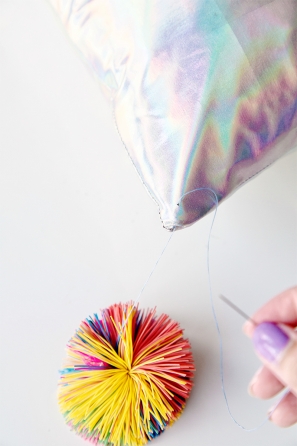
[222, 377]
[221, 352]
[147, 280]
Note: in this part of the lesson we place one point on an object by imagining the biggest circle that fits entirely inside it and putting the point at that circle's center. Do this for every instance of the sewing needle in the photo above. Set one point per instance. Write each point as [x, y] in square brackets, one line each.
[238, 310]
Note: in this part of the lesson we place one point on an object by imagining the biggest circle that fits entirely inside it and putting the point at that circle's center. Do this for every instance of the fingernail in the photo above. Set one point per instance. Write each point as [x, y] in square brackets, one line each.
[269, 340]
[247, 328]
[271, 410]
[253, 382]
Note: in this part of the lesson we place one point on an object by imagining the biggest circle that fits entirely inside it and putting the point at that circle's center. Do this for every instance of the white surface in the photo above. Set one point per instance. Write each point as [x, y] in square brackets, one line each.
[79, 232]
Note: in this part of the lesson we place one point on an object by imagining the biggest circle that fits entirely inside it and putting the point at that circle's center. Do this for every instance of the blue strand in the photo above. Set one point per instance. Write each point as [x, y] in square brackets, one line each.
[147, 280]
[222, 377]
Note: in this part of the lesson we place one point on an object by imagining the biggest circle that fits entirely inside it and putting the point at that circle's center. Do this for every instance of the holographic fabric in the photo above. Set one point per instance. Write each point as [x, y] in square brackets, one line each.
[204, 91]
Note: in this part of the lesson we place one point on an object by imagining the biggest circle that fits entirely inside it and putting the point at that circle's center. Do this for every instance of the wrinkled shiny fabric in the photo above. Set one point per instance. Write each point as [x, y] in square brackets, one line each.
[204, 91]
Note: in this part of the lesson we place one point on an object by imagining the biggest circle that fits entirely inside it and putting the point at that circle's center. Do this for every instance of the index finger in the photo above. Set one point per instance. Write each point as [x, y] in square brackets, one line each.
[281, 309]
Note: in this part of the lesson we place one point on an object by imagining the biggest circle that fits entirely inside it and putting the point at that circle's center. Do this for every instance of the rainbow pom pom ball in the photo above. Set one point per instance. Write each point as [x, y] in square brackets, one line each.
[127, 376]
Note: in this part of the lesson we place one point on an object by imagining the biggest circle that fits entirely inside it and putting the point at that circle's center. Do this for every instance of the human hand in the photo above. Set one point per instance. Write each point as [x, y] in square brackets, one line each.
[275, 342]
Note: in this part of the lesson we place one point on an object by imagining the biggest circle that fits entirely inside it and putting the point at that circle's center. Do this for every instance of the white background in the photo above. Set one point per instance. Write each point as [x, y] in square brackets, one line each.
[79, 232]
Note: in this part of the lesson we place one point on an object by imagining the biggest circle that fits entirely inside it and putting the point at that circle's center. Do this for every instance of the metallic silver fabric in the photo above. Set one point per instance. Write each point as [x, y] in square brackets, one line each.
[204, 91]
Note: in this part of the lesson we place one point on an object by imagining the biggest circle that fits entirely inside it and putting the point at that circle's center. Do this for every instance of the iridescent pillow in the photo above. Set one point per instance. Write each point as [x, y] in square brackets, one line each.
[204, 91]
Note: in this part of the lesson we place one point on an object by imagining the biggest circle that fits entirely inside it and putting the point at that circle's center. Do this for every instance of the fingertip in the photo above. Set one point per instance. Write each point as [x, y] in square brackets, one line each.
[284, 414]
[264, 384]
[248, 328]
[251, 387]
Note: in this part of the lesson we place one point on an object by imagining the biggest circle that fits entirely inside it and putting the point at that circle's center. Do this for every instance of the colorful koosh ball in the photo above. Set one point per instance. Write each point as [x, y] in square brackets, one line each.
[127, 376]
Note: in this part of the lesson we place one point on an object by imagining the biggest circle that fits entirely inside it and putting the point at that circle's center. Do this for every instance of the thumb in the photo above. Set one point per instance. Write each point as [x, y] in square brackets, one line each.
[276, 346]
